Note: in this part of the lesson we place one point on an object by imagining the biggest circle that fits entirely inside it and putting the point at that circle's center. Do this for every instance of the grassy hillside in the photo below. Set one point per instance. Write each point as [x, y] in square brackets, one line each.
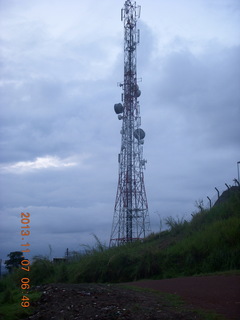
[210, 242]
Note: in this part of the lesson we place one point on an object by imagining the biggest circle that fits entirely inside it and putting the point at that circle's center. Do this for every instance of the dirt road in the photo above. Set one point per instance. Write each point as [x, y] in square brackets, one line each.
[117, 302]
[218, 293]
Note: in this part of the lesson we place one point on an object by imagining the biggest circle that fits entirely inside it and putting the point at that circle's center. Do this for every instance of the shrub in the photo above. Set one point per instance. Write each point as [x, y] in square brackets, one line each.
[41, 271]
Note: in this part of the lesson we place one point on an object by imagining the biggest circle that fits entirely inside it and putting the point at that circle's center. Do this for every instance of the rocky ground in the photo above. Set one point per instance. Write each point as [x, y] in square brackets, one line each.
[108, 302]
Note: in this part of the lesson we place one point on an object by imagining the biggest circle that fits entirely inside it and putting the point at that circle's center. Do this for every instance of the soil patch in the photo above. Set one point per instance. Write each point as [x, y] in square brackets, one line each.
[220, 294]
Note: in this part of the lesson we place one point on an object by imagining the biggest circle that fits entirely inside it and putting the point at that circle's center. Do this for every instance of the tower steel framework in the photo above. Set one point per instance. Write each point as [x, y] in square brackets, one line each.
[131, 219]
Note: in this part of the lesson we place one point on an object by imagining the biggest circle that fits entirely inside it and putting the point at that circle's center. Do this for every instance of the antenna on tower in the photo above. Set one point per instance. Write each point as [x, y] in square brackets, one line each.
[131, 219]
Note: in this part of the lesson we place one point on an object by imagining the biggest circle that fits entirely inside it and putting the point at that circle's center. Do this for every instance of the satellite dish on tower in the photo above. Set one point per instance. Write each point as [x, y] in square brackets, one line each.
[139, 134]
[118, 108]
[138, 91]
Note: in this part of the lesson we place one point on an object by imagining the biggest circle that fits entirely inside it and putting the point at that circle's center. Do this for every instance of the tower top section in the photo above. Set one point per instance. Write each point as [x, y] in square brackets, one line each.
[131, 12]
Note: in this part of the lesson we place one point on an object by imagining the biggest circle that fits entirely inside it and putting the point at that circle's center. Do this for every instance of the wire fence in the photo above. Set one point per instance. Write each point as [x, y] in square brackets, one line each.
[218, 192]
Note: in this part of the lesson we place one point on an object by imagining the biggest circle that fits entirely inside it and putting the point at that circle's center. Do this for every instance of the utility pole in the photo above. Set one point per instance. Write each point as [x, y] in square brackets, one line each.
[131, 219]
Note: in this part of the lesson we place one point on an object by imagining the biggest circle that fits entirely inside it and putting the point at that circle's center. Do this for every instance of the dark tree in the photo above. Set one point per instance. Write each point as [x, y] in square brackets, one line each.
[14, 261]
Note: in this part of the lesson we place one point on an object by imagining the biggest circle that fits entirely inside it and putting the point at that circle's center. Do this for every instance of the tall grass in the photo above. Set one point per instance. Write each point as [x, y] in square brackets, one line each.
[210, 242]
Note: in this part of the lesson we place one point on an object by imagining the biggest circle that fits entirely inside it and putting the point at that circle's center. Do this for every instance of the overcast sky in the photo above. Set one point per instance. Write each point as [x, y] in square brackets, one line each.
[61, 61]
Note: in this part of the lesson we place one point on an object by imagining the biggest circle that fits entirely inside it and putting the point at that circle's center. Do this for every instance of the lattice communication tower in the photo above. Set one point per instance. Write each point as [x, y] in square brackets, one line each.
[131, 219]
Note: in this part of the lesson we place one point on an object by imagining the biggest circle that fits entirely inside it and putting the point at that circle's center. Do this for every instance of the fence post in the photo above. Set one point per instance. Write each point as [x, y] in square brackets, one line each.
[210, 202]
[236, 182]
[217, 192]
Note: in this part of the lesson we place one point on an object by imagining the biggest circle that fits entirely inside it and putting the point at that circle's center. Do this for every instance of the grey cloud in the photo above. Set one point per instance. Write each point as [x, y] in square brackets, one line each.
[57, 97]
[204, 91]
[53, 120]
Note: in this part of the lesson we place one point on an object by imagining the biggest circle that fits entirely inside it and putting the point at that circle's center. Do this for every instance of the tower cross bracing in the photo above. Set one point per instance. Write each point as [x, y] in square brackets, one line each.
[131, 218]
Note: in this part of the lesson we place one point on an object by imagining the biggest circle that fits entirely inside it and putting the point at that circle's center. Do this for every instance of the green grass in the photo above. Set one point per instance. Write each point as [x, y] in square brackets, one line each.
[13, 310]
[11, 298]
[170, 299]
[209, 315]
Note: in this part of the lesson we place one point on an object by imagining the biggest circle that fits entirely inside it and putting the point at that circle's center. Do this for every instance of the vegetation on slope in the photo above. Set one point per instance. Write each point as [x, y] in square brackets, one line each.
[210, 242]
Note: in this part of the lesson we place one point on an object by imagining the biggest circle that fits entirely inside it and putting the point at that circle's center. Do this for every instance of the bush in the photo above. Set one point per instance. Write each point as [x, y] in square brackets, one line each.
[42, 270]
[176, 225]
